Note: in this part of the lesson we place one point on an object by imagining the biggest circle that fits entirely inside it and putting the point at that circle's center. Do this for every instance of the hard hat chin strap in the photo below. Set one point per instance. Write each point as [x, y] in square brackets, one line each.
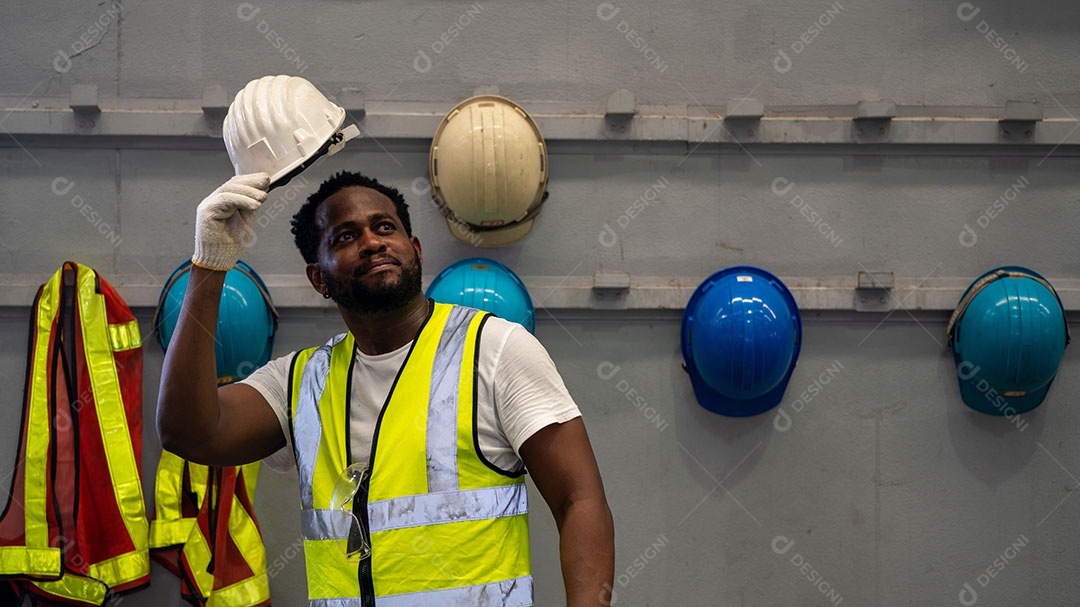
[331, 147]
[985, 281]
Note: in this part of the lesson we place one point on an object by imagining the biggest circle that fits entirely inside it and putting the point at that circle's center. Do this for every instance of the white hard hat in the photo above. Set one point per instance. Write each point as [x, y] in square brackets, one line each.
[489, 171]
[280, 125]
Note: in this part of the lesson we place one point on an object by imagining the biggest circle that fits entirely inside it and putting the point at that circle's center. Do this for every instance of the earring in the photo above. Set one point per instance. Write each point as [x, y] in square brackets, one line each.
[326, 295]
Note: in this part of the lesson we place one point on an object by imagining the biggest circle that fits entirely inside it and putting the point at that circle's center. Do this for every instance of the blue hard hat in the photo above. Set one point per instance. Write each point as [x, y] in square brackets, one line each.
[247, 320]
[1008, 336]
[485, 284]
[741, 334]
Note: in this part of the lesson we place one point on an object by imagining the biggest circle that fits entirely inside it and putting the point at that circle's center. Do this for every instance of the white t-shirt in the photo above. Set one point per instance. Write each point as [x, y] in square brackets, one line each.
[519, 392]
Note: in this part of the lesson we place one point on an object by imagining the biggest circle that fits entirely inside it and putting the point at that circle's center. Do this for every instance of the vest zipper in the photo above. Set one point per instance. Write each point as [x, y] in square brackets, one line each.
[367, 585]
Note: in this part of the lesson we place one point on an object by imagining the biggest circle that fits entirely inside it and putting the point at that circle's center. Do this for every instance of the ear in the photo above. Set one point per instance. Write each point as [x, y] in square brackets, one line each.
[419, 250]
[315, 277]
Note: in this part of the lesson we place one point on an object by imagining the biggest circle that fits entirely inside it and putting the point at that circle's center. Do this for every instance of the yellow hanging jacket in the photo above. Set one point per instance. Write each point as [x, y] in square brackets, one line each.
[445, 526]
[205, 532]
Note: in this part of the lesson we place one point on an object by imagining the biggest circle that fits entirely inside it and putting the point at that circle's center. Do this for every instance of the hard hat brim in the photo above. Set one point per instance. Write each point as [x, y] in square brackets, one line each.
[979, 395]
[713, 401]
[490, 238]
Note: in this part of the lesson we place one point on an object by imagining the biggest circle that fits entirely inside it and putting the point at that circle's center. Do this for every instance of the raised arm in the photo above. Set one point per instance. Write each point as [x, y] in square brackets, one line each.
[196, 420]
[561, 462]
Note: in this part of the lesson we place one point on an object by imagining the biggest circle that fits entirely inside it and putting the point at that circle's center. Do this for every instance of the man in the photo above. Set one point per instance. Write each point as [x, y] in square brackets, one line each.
[447, 406]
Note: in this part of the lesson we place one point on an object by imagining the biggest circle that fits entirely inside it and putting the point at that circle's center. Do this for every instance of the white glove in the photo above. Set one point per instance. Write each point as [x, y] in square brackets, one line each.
[225, 221]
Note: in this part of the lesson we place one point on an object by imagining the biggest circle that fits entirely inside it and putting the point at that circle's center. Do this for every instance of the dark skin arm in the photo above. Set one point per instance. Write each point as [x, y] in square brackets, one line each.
[196, 420]
[561, 462]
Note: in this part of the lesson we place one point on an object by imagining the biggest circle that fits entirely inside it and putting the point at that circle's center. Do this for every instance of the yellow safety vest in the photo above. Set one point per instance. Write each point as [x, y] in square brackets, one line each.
[445, 526]
[181, 532]
[77, 494]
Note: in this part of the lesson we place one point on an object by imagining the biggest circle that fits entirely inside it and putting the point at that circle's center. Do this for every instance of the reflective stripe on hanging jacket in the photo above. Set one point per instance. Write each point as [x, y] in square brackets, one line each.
[205, 532]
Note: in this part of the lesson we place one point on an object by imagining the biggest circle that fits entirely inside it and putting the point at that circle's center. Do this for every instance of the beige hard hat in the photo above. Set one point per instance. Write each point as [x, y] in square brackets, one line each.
[281, 125]
[489, 171]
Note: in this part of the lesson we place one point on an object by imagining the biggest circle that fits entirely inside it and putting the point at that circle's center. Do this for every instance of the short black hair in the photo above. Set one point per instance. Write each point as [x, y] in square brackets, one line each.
[306, 233]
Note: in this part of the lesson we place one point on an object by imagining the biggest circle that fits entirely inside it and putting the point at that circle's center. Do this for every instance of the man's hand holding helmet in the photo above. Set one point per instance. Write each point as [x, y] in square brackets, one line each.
[225, 221]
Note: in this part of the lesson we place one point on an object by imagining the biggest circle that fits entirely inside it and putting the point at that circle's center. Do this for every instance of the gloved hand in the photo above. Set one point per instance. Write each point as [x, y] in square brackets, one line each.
[225, 221]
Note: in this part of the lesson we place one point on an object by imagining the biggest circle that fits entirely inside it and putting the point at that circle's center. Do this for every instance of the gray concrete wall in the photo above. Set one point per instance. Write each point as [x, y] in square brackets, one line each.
[893, 492]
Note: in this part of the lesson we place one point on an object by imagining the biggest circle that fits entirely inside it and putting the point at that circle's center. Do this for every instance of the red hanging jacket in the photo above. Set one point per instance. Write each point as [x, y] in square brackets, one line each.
[74, 530]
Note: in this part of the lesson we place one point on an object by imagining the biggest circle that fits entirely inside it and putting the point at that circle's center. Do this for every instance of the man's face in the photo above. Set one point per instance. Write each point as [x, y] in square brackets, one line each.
[367, 263]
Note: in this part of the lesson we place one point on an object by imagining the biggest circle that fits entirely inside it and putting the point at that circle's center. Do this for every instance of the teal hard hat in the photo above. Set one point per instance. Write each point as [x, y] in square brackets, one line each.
[1008, 336]
[741, 335]
[485, 284]
[247, 320]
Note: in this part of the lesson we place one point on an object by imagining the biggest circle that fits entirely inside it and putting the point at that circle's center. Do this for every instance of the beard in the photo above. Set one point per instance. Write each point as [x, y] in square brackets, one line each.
[386, 296]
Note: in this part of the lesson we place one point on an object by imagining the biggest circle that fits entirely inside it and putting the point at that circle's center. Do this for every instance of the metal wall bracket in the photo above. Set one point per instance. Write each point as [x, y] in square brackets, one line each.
[84, 99]
[743, 118]
[611, 285]
[745, 109]
[485, 89]
[619, 111]
[1019, 120]
[873, 121]
[215, 100]
[873, 291]
[353, 101]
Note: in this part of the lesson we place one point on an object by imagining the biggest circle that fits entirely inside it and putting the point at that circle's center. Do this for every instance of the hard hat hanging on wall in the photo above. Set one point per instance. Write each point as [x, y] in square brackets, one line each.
[489, 171]
[247, 320]
[281, 125]
[741, 335]
[1008, 336]
[485, 284]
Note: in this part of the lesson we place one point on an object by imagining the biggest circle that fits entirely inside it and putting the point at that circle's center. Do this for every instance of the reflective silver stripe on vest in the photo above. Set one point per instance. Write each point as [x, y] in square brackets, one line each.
[307, 427]
[325, 524]
[350, 602]
[449, 507]
[442, 422]
[507, 593]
